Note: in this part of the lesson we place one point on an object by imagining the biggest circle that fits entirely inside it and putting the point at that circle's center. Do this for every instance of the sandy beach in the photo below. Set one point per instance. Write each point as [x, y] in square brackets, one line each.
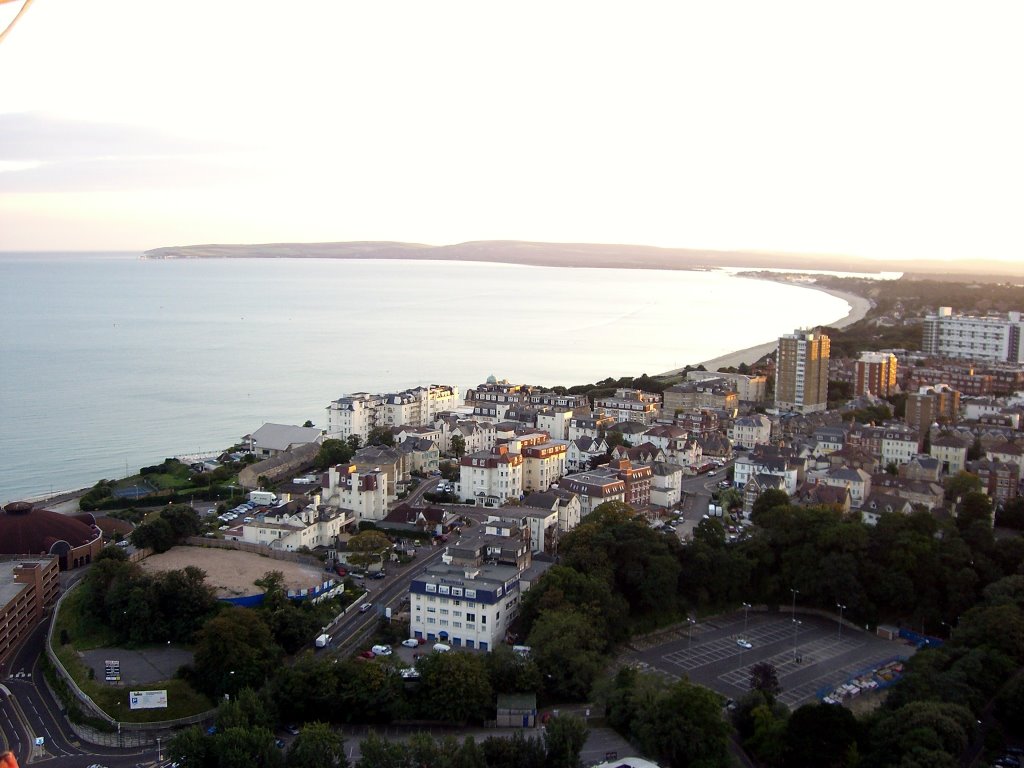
[859, 307]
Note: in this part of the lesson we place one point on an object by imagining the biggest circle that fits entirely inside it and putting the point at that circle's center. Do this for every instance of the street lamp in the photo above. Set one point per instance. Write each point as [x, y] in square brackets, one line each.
[689, 631]
[746, 607]
[841, 608]
[795, 593]
[159, 754]
[796, 625]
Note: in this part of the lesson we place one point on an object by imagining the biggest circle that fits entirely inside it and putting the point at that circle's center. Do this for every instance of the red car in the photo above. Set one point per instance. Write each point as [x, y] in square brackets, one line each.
[367, 655]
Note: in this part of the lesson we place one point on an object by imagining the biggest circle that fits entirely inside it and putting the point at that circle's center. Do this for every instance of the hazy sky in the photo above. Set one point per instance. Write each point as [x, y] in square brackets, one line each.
[888, 129]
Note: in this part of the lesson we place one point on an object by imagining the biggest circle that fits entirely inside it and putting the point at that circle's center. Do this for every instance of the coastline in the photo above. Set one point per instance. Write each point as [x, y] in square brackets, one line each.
[859, 307]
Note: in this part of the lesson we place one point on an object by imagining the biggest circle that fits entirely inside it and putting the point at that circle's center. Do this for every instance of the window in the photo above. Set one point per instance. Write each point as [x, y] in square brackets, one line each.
[431, 587]
[470, 617]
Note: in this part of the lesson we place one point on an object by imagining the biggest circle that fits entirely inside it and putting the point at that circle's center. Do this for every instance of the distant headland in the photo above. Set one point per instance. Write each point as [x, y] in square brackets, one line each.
[592, 255]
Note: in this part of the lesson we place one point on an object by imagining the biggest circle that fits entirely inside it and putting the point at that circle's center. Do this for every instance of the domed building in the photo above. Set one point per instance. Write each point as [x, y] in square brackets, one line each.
[74, 539]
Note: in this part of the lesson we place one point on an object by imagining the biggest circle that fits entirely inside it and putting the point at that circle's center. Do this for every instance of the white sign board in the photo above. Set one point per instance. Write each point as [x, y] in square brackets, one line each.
[40, 741]
[148, 699]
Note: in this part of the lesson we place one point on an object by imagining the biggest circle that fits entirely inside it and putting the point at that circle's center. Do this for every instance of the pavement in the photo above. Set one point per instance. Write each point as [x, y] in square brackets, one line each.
[809, 653]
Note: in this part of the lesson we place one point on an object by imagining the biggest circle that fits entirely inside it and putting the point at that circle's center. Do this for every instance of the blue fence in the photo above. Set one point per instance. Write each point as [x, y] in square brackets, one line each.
[251, 601]
[919, 640]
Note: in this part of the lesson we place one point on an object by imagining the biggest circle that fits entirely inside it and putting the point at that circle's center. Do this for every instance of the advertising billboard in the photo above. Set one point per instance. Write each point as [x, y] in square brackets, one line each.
[148, 699]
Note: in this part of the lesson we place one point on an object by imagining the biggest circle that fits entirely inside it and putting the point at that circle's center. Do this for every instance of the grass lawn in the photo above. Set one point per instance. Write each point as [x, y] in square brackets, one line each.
[85, 633]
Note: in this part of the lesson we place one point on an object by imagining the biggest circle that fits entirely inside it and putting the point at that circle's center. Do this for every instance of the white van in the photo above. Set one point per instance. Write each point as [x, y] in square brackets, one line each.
[442, 647]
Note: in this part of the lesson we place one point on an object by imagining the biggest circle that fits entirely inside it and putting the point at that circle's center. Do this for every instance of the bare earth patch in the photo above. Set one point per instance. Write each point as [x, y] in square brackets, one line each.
[232, 573]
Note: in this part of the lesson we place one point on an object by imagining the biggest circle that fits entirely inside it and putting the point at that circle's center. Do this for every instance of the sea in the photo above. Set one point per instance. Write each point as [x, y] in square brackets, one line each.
[111, 362]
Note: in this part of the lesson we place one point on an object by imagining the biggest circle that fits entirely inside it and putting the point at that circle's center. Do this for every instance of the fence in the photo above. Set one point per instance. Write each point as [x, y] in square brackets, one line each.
[127, 734]
[255, 549]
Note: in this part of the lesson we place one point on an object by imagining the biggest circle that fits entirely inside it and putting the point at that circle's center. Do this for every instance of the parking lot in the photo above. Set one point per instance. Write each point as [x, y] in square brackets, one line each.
[809, 654]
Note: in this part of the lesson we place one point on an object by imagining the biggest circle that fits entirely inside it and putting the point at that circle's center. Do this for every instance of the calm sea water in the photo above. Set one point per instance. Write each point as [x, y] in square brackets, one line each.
[111, 362]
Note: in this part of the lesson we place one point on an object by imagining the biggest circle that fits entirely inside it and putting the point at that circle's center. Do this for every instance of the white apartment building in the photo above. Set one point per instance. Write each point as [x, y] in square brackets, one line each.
[590, 426]
[361, 412]
[899, 446]
[951, 453]
[991, 338]
[364, 492]
[289, 532]
[582, 451]
[594, 488]
[464, 606]
[543, 462]
[565, 503]
[749, 388]
[666, 484]
[748, 431]
[491, 477]
[856, 480]
[554, 421]
[630, 405]
[747, 467]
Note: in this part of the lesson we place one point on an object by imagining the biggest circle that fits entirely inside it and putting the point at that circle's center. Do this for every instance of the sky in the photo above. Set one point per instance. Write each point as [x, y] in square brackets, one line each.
[878, 129]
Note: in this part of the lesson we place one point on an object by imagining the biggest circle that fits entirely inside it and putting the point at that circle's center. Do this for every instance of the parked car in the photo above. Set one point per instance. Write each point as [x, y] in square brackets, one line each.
[367, 655]
[742, 643]
[442, 647]
[381, 650]
[412, 642]
[292, 729]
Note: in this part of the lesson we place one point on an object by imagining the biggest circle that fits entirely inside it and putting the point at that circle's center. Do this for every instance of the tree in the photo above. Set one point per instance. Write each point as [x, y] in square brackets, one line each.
[318, 746]
[157, 535]
[767, 501]
[564, 740]
[568, 650]
[454, 687]
[333, 452]
[246, 748]
[974, 507]
[353, 442]
[961, 484]
[183, 520]
[308, 424]
[224, 663]
[765, 678]
[683, 727]
[378, 752]
[191, 747]
[381, 436]
[821, 733]
[368, 547]
[458, 446]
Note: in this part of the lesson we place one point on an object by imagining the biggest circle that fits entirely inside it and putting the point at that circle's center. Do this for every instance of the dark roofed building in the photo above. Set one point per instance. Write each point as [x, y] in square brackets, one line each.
[26, 531]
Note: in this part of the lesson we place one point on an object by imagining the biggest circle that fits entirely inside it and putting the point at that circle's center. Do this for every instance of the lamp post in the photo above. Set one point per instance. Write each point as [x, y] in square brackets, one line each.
[796, 625]
[795, 593]
[841, 608]
[746, 607]
[689, 632]
[159, 754]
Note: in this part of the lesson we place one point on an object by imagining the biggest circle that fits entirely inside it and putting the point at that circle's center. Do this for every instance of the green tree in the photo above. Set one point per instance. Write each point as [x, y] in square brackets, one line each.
[684, 727]
[318, 746]
[519, 751]
[191, 747]
[354, 442]
[368, 547]
[564, 740]
[454, 687]
[156, 534]
[458, 446]
[381, 436]
[246, 748]
[973, 507]
[765, 678]
[819, 734]
[768, 501]
[224, 663]
[378, 752]
[334, 452]
[183, 521]
[568, 651]
[961, 484]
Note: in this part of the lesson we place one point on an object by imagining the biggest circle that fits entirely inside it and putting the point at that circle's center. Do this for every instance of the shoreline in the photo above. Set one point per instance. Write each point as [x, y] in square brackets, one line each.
[859, 307]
